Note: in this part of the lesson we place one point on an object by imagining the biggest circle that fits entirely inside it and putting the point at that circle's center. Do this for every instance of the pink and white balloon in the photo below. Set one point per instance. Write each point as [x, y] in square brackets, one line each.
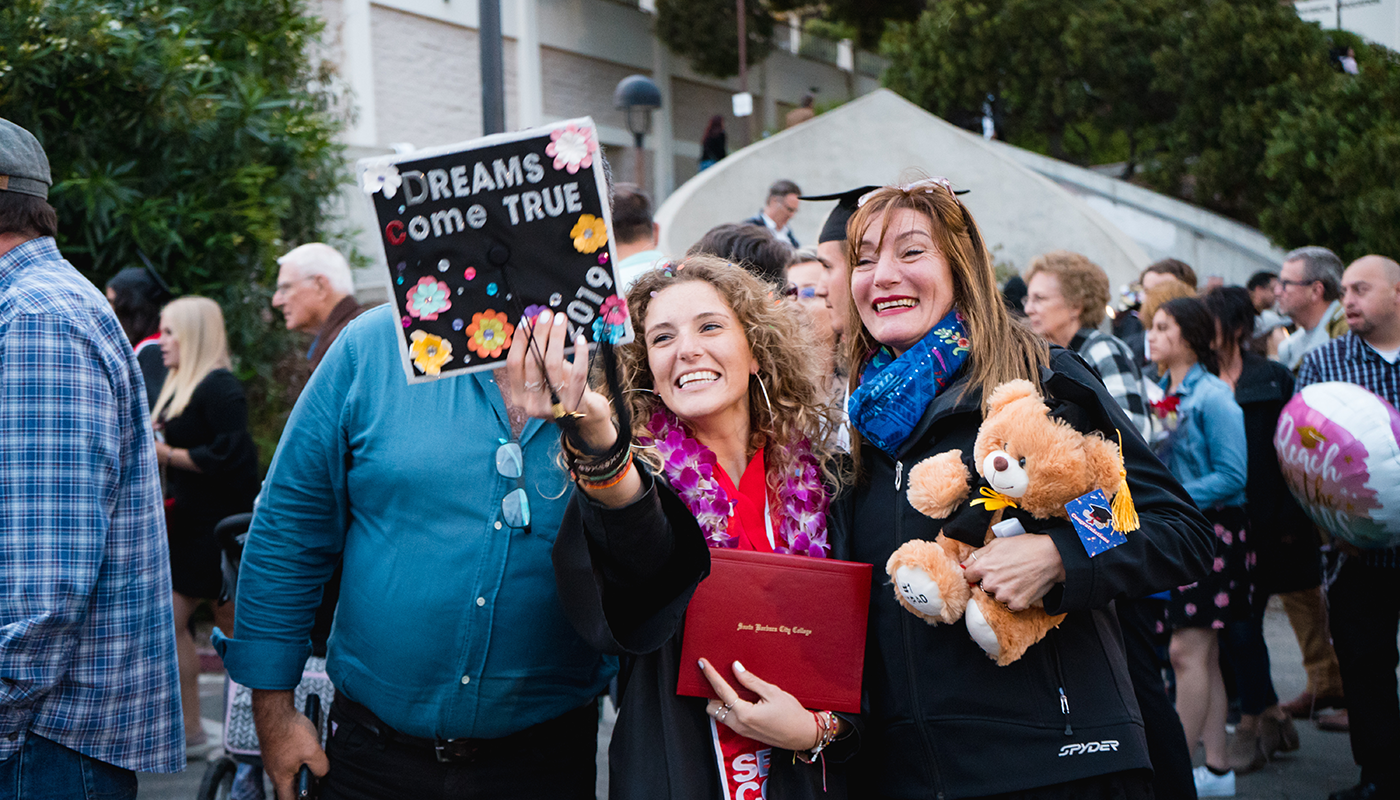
[1339, 447]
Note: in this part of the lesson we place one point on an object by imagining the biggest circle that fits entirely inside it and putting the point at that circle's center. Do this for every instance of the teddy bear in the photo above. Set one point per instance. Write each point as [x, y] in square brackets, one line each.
[1030, 466]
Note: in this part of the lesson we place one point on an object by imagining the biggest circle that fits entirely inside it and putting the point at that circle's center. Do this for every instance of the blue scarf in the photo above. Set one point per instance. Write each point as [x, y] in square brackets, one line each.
[894, 392]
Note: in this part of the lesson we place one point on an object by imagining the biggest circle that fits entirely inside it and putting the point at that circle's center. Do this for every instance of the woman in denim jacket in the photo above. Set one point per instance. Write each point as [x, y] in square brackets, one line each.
[1203, 444]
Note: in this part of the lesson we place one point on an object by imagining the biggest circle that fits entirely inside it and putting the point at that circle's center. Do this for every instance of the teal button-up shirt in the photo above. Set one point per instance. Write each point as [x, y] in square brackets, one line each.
[449, 624]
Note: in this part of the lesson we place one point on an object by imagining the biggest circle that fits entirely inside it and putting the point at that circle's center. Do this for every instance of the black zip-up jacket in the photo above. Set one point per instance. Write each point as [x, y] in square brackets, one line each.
[941, 719]
[1282, 535]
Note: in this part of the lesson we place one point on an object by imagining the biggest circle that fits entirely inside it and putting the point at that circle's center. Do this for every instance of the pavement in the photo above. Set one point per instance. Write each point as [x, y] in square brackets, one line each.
[1320, 766]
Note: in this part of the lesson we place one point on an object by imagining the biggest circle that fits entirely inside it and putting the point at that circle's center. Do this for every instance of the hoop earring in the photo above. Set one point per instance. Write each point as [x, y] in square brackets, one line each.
[772, 418]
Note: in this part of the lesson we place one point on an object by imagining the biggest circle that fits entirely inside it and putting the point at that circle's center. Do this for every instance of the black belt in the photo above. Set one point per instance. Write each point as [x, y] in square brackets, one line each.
[463, 749]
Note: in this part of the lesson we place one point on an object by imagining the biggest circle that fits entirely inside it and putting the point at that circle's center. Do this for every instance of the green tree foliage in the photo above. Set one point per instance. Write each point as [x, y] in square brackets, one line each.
[706, 33]
[1017, 51]
[1231, 104]
[866, 21]
[194, 131]
[1231, 69]
[1333, 162]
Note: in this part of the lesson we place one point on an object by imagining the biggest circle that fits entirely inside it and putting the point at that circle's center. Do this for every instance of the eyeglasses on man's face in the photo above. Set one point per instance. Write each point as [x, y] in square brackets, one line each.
[1284, 283]
[283, 287]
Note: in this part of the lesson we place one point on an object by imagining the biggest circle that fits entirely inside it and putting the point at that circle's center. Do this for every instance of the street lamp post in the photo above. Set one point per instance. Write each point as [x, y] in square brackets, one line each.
[638, 96]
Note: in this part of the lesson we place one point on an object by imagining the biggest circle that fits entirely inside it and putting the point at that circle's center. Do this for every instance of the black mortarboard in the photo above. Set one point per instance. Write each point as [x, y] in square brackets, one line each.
[834, 230]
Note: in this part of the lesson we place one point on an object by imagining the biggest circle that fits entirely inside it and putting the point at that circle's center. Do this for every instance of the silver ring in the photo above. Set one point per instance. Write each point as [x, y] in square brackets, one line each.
[974, 556]
[534, 386]
[721, 714]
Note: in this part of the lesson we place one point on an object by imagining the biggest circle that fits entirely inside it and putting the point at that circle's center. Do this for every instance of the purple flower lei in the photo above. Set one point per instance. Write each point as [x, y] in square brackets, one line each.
[690, 466]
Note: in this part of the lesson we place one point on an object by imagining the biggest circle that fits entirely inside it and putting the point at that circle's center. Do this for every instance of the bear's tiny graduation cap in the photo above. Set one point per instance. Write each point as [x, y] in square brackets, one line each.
[478, 235]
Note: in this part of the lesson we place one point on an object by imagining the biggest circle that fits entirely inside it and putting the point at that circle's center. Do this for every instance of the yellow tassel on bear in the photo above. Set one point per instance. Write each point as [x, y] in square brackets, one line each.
[1125, 516]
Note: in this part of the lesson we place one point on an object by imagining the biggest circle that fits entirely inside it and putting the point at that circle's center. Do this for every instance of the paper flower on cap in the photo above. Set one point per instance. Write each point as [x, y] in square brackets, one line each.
[381, 177]
[572, 147]
[589, 234]
[603, 331]
[428, 298]
[614, 310]
[429, 352]
[489, 333]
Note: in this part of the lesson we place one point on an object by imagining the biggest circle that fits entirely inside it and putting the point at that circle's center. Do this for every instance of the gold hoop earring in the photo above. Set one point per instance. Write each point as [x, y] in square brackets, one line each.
[772, 418]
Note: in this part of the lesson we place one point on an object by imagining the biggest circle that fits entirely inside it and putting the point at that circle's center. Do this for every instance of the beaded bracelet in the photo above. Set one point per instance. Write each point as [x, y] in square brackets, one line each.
[827, 726]
[605, 483]
[593, 476]
[601, 467]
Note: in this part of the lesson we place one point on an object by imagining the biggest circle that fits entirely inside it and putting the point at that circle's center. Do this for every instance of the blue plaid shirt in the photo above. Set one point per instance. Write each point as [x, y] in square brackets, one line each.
[87, 646]
[1349, 359]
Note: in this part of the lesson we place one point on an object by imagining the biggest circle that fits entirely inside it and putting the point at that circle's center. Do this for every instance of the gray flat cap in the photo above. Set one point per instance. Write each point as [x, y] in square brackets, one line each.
[23, 166]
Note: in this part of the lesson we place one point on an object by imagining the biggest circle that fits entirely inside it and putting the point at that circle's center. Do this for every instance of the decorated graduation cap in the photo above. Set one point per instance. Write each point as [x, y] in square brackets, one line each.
[834, 229]
[481, 234]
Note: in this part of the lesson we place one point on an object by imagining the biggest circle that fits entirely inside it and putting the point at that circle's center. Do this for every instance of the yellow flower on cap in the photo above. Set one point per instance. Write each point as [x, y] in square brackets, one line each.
[429, 352]
[590, 234]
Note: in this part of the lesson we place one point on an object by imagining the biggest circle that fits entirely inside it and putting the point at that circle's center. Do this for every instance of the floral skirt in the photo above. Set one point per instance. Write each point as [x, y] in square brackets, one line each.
[1226, 593]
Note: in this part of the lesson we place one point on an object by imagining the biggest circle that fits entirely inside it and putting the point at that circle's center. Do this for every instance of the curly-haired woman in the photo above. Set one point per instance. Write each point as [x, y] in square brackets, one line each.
[729, 427]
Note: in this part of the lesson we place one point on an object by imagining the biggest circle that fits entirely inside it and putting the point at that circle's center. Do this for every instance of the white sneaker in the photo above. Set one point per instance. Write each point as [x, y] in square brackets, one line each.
[1208, 784]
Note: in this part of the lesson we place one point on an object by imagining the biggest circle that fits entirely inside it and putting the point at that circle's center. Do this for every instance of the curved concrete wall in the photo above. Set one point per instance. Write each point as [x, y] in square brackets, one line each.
[883, 138]
[1163, 226]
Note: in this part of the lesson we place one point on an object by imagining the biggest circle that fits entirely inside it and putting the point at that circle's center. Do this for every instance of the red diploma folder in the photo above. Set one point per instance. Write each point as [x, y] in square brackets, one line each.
[794, 621]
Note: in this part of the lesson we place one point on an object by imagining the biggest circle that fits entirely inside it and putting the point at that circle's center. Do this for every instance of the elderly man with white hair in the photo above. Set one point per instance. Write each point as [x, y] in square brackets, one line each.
[315, 294]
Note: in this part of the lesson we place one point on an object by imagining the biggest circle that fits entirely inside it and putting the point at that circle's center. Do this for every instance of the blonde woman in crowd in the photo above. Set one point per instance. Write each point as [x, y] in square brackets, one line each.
[211, 469]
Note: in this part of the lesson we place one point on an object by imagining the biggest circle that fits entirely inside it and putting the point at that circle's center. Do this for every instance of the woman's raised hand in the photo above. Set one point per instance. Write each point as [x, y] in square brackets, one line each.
[530, 385]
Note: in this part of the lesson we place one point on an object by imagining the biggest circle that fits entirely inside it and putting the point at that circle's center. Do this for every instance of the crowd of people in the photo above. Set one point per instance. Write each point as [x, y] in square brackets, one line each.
[502, 549]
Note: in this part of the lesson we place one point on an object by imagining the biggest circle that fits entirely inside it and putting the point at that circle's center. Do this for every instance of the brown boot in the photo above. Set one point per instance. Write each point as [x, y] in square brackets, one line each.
[1277, 734]
[1245, 753]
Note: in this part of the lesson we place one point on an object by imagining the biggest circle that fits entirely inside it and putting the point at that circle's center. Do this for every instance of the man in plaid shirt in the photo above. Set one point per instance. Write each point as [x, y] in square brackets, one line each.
[1363, 605]
[89, 689]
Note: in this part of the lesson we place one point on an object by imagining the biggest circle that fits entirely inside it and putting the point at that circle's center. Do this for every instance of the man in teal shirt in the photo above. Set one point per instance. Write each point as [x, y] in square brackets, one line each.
[455, 669]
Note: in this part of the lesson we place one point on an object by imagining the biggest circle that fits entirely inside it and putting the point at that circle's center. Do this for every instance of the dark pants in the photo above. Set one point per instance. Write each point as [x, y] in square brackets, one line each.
[46, 770]
[1166, 741]
[370, 761]
[1242, 646]
[1364, 612]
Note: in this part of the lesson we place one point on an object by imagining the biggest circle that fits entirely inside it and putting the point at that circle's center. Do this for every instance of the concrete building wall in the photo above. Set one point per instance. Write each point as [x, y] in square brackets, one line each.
[1025, 203]
[424, 52]
[425, 79]
[883, 138]
[1162, 226]
[410, 72]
